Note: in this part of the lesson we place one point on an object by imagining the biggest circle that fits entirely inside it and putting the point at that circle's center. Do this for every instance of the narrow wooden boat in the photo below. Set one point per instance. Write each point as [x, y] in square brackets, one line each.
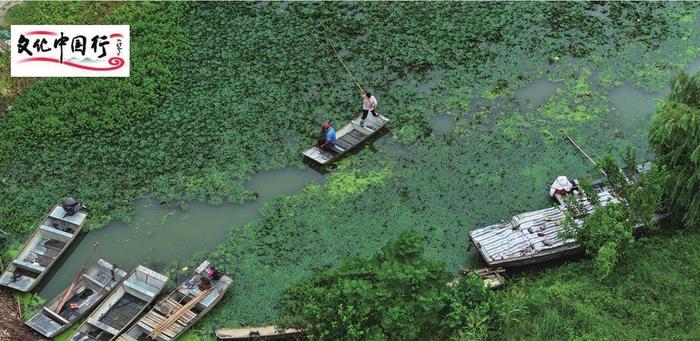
[172, 316]
[259, 333]
[85, 294]
[43, 249]
[347, 138]
[492, 277]
[122, 306]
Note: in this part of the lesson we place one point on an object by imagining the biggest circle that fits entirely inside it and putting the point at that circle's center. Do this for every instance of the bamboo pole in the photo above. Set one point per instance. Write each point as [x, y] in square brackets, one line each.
[584, 153]
[357, 83]
[66, 293]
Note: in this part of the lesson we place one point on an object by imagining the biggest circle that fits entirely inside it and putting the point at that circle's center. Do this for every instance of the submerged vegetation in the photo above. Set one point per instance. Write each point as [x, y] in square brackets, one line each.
[218, 89]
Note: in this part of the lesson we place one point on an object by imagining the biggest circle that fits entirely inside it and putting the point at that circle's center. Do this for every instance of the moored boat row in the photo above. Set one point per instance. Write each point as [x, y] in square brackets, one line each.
[111, 299]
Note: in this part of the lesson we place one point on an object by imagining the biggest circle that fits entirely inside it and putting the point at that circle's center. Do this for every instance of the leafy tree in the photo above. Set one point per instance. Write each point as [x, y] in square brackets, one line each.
[606, 234]
[587, 186]
[616, 179]
[395, 295]
[675, 138]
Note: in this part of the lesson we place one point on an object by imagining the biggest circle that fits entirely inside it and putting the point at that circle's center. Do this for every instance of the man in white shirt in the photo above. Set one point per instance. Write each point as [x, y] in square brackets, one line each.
[369, 104]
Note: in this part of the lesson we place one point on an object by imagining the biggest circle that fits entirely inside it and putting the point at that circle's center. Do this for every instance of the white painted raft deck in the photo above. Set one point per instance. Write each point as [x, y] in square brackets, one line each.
[348, 137]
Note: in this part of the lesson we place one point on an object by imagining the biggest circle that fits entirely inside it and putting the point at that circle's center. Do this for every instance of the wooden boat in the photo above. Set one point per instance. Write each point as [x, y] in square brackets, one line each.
[259, 333]
[172, 316]
[122, 306]
[43, 249]
[85, 294]
[492, 277]
[347, 138]
[534, 237]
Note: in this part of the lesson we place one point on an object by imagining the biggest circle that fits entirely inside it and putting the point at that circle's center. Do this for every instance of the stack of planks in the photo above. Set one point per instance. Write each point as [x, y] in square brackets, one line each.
[173, 323]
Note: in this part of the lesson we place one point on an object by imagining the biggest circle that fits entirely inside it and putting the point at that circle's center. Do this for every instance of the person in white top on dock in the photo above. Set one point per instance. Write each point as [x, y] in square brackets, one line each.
[369, 104]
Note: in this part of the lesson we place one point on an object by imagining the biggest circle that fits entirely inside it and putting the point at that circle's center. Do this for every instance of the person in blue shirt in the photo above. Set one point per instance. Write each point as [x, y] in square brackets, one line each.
[329, 141]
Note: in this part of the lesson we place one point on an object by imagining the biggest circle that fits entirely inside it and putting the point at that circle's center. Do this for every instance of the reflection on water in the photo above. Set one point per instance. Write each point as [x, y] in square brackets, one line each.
[634, 109]
[537, 92]
[694, 66]
[162, 234]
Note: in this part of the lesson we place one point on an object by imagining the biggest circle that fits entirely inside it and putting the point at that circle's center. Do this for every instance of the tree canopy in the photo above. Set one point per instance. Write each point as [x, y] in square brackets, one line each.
[396, 295]
[675, 138]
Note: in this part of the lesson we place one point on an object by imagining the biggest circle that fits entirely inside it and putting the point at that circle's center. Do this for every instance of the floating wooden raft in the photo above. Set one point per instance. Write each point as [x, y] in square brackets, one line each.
[88, 291]
[257, 333]
[46, 245]
[532, 237]
[348, 137]
[122, 307]
[173, 315]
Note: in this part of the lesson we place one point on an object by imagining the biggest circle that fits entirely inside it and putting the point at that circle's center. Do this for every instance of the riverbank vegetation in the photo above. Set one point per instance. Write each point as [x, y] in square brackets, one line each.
[219, 91]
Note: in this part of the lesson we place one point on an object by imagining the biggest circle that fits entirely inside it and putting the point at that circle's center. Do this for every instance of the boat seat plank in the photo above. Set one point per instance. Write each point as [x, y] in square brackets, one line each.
[338, 149]
[28, 266]
[60, 214]
[43, 324]
[48, 311]
[90, 279]
[142, 288]
[52, 230]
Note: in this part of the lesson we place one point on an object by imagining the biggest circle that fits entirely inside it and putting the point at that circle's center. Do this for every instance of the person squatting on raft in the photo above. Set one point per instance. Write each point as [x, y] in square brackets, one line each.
[369, 104]
[329, 141]
[561, 187]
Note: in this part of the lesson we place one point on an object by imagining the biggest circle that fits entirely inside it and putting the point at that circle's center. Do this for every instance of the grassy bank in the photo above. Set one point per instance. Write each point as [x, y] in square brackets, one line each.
[650, 295]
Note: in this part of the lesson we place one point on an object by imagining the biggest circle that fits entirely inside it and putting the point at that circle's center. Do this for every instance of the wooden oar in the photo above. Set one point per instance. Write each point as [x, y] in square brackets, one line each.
[66, 294]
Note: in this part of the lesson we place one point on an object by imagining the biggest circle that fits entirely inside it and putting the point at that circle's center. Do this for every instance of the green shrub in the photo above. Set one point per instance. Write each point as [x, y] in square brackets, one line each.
[397, 294]
[606, 234]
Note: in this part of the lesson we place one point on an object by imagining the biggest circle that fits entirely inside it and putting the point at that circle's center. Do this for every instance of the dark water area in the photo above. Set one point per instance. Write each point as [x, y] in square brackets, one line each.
[389, 145]
[165, 234]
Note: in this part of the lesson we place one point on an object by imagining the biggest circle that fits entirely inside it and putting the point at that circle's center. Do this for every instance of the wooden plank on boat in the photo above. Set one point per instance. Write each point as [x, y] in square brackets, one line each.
[43, 248]
[170, 318]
